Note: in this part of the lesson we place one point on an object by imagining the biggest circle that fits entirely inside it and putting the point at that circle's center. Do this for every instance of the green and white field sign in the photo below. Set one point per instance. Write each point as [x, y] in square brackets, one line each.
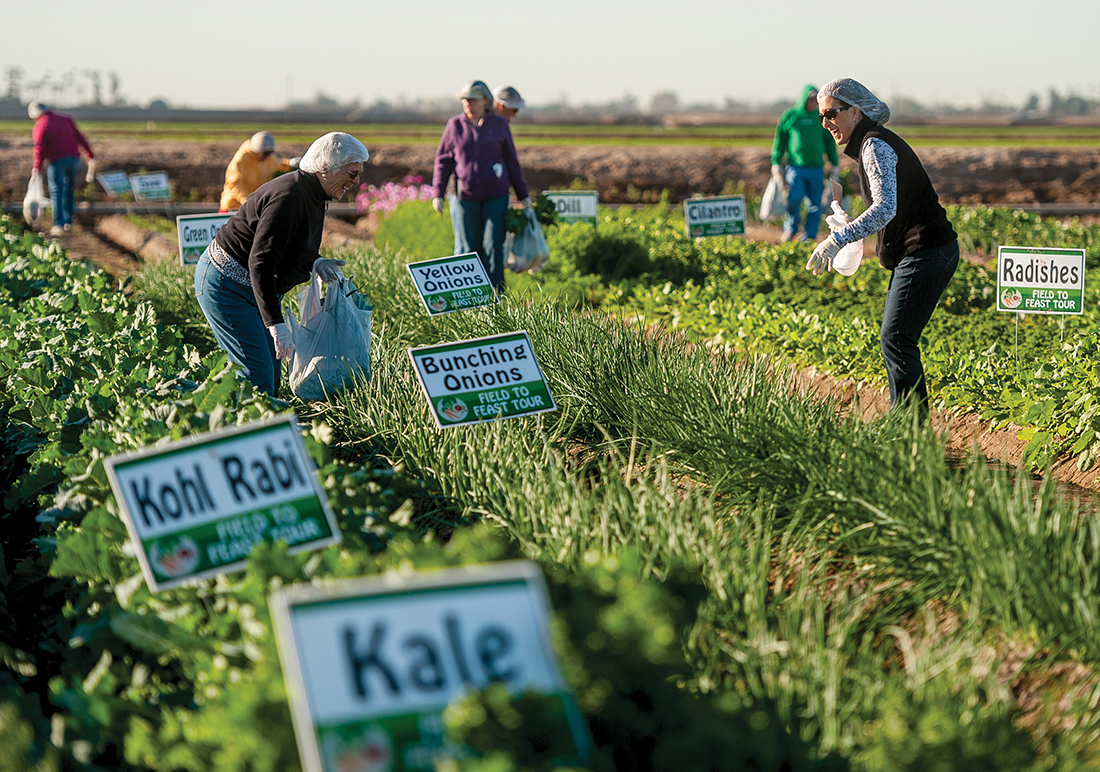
[150, 186]
[449, 284]
[371, 663]
[482, 379]
[195, 508]
[196, 231]
[1041, 281]
[721, 216]
[115, 183]
[575, 205]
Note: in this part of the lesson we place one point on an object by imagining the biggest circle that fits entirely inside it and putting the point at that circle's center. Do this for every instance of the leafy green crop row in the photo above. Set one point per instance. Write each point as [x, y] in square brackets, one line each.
[98, 673]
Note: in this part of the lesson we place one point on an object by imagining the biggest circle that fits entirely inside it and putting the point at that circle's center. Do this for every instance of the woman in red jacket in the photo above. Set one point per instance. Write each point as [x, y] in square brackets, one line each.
[57, 143]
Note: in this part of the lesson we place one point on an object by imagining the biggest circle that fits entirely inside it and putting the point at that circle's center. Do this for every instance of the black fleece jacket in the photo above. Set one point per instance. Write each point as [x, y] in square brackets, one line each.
[276, 235]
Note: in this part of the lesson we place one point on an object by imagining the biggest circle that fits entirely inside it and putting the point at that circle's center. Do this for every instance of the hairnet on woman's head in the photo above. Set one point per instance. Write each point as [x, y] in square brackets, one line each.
[855, 93]
[35, 109]
[332, 151]
[262, 142]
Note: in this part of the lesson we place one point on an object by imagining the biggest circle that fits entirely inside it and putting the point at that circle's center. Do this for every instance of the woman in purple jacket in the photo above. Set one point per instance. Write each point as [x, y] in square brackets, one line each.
[477, 149]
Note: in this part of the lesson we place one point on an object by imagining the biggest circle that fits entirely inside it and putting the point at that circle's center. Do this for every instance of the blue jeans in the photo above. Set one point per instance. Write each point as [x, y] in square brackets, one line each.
[916, 284]
[231, 310]
[61, 175]
[804, 182]
[479, 227]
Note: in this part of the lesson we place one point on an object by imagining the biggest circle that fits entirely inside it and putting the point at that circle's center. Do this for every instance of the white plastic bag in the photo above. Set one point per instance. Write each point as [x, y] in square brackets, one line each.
[36, 200]
[332, 341]
[528, 251]
[774, 202]
[849, 257]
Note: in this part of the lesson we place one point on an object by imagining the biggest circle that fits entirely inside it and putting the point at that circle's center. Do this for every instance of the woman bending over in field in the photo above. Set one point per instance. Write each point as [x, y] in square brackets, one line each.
[270, 245]
[915, 239]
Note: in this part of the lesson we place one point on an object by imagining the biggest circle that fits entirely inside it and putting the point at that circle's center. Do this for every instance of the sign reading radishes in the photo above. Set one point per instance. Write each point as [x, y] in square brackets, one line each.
[449, 284]
[196, 231]
[1040, 281]
[723, 216]
[195, 508]
[482, 379]
[370, 664]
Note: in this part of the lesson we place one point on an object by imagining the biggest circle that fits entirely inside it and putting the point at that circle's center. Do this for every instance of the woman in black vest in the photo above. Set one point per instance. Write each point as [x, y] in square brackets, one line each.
[915, 239]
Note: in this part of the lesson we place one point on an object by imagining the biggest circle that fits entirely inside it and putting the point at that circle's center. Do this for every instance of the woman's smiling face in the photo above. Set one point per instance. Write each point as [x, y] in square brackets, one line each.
[839, 119]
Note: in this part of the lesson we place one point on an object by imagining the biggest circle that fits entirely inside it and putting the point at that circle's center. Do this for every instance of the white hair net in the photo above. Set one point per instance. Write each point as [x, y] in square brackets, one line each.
[855, 93]
[262, 142]
[332, 151]
[35, 109]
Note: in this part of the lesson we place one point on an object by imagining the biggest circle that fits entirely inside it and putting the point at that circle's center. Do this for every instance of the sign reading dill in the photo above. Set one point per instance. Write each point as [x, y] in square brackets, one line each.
[482, 379]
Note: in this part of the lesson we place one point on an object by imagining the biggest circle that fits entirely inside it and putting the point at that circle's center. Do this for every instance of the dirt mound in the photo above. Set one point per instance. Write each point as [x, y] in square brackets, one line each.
[620, 173]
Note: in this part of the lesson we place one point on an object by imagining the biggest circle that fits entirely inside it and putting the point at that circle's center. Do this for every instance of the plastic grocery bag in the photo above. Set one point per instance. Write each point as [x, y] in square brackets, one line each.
[849, 257]
[528, 251]
[332, 341]
[774, 202]
[36, 200]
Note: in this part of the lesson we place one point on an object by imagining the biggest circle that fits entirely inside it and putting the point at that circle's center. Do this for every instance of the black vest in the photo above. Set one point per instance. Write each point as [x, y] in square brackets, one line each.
[920, 222]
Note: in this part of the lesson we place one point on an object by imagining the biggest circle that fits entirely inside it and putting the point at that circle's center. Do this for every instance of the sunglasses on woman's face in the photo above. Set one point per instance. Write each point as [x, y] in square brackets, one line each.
[830, 113]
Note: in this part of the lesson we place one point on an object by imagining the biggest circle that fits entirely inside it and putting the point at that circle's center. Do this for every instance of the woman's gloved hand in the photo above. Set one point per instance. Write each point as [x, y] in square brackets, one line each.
[327, 269]
[437, 205]
[822, 258]
[284, 343]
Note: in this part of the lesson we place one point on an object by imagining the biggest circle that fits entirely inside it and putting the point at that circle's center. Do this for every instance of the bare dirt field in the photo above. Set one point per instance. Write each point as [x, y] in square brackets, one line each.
[961, 174]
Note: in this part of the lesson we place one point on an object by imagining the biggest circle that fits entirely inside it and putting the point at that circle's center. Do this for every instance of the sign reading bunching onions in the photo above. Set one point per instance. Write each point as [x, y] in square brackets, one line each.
[195, 508]
[1040, 280]
[482, 379]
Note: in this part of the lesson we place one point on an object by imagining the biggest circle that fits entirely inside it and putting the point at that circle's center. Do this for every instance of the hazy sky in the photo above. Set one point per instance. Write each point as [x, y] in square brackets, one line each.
[204, 53]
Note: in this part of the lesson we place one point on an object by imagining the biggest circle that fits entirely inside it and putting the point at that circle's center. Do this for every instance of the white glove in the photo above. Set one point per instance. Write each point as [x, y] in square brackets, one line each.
[284, 343]
[328, 270]
[293, 162]
[437, 205]
[90, 176]
[822, 258]
[527, 203]
[839, 218]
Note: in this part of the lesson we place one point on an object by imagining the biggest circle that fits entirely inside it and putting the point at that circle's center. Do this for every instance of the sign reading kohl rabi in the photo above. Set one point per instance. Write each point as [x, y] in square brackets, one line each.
[1041, 281]
[723, 216]
[371, 663]
[196, 231]
[482, 379]
[449, 284]
[195, 508]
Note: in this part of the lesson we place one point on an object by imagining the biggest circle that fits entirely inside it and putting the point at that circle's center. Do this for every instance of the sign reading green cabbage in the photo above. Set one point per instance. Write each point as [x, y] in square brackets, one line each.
[1040, 280]
[482, 379]
[196, 231]
[195, 508]
[449, 284]
[371, 663]
[722, 216]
